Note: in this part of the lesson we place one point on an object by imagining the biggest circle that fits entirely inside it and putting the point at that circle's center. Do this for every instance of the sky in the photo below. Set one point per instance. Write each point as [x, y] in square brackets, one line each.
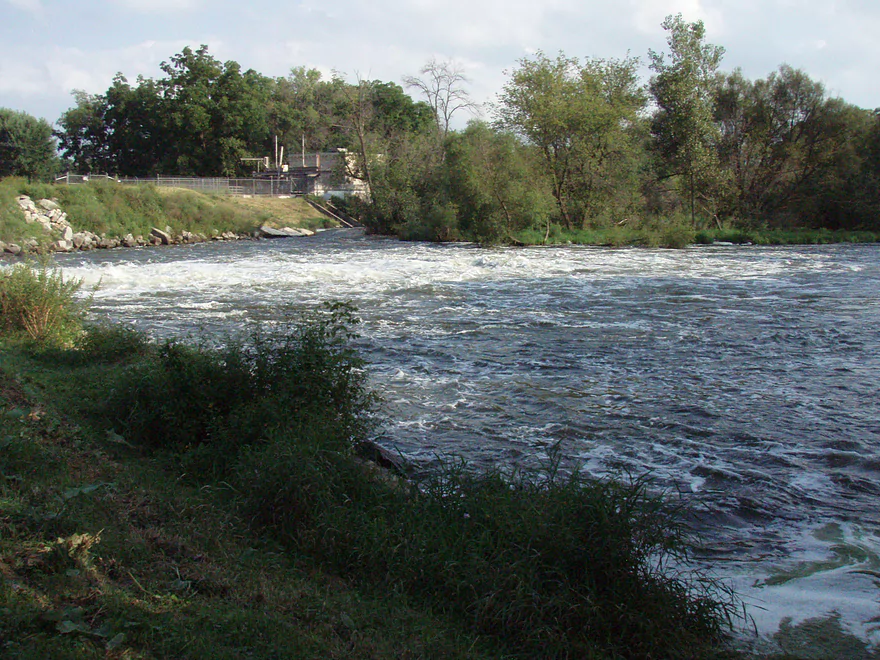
[50, 47]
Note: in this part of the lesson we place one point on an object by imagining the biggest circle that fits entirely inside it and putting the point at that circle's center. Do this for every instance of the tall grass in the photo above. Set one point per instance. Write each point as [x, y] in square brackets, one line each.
[650, 234]
[13, 227]
[38, 303]
[548, 565]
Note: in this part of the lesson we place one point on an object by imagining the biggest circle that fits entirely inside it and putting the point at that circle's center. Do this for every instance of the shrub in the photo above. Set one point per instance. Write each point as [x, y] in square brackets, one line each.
[111, 343]
[37, 302]
[209, 403]
[677, 237]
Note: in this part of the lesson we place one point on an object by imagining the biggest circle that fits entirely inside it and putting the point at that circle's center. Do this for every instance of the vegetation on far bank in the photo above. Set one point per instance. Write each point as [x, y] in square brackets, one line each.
[176, 500]
[114, 210]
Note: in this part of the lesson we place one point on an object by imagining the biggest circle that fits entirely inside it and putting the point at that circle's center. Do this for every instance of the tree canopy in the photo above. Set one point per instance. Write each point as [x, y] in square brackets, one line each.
[573, 143]
[26, 145]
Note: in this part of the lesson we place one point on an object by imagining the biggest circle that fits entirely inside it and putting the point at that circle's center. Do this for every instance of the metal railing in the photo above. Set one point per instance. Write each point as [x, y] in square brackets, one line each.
[230, 186]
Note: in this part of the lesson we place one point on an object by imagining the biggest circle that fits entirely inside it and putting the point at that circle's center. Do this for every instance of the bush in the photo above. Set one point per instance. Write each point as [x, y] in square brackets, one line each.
[111, 343]
[38, 303]
[210, 403]
[677, 237]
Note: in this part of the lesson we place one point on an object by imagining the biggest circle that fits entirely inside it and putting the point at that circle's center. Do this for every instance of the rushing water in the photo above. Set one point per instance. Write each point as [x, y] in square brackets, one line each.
[744, 377]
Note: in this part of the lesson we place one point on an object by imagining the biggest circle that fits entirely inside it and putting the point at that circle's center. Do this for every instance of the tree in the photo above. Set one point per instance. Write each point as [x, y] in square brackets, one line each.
[580, 117]
[216, 114]
[84, 137]
[395, 112]
[305, 110]
[26, 145]
[683, 125]
[443, 86]
[137, 138]
[493, 185]
[791, 153]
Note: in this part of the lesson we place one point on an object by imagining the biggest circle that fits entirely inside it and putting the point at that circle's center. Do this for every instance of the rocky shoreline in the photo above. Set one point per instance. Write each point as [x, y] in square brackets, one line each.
[48, 214]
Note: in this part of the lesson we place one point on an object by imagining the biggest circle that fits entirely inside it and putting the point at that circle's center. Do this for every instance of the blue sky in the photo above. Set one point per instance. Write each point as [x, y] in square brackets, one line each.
[50, 47]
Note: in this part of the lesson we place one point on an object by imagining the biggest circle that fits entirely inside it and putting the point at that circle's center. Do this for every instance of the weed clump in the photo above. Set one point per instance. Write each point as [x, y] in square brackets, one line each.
[208, 404]
[548, 565]
[36, 302]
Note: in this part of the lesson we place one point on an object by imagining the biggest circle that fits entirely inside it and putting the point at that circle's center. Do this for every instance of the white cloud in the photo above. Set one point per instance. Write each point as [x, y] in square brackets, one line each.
[159, 6]
[387, 39]
[32, 6]
[649, 14]
[22, 80]
[66, 69]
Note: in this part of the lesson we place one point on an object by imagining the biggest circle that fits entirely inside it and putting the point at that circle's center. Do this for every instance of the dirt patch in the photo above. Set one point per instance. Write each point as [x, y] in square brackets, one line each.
[11, 392]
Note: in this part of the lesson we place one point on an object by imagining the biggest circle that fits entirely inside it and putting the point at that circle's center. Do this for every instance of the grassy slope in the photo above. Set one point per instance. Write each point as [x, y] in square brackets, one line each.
[115, 210]
[104, 552]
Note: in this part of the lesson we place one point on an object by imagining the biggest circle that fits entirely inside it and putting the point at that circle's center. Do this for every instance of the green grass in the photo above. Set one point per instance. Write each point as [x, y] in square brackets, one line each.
[116, 210]
[785, 236]
[13, 228]
[105, 552]
[676, 234]
[672, 235]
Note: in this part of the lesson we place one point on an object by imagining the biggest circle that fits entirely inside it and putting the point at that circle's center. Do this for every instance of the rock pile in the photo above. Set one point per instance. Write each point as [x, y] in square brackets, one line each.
[49, 214]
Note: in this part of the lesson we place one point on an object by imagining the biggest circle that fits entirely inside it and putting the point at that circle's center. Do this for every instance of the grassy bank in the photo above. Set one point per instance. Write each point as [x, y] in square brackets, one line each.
[107, 208]
[679, 235]
[177, 500]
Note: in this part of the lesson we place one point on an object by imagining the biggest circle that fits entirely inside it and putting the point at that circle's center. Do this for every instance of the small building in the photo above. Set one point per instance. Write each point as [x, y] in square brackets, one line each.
[325, 174]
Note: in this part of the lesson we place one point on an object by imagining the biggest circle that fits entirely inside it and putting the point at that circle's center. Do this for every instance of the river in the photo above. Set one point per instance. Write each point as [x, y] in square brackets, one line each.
[744, 378]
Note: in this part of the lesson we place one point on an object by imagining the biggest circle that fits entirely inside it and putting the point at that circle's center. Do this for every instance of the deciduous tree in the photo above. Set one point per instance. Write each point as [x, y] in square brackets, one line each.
[580, 117]
[84, 137]
[684, 126]
[26, 145]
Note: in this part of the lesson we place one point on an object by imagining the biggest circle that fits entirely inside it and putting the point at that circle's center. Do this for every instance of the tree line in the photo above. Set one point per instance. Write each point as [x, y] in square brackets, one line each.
[570, 144]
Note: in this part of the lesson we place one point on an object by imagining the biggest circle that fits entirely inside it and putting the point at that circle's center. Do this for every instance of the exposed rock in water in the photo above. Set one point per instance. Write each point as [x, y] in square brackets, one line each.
[372, 452]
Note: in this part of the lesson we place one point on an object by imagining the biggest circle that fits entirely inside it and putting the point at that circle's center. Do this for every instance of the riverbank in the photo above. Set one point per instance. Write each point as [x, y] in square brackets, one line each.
[36, 218]
[676, 236]
[175, 500]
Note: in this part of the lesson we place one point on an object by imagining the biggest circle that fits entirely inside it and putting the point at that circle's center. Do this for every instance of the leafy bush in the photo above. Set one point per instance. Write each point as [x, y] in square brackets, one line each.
[111, 343]
[38, 303]
[210, 403]
[677, 237]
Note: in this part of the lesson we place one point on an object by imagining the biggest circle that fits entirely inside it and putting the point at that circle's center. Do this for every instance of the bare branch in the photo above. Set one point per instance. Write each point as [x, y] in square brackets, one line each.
[443, 86]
